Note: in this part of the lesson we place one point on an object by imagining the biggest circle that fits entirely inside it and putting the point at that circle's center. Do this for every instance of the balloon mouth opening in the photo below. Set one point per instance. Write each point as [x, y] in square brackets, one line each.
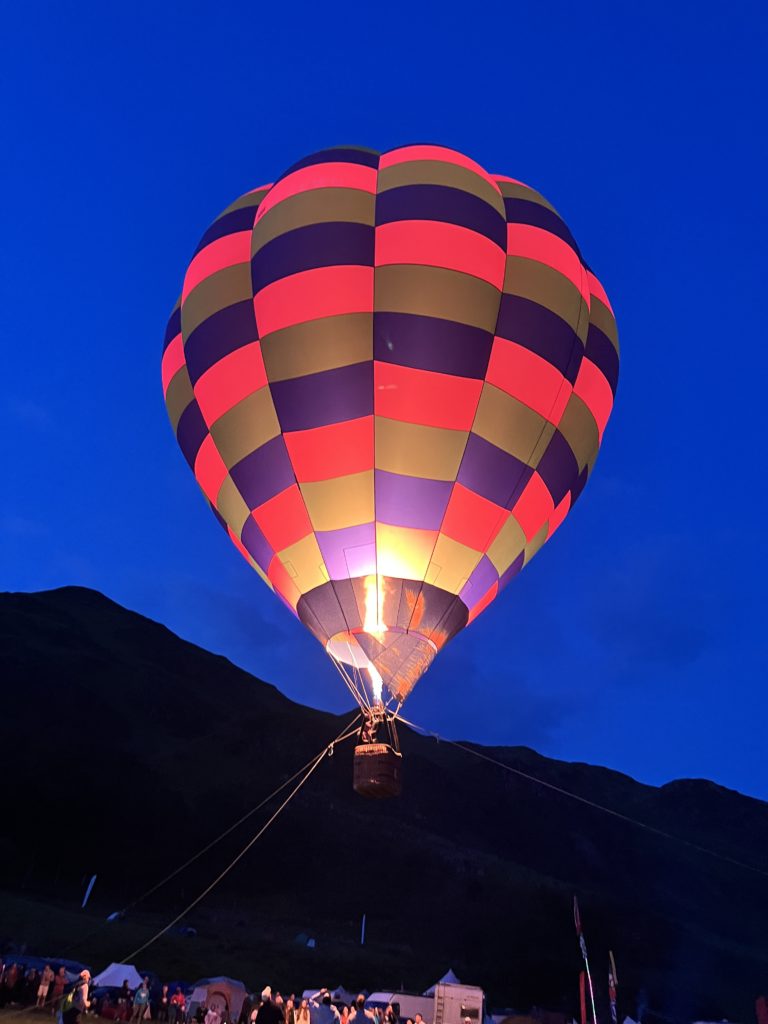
[367, 652]
[345, 646]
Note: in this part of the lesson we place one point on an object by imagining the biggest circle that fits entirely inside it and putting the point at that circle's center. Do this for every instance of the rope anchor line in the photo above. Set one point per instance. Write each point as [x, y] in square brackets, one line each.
[350, 729]
[733, 861]
[314, 764]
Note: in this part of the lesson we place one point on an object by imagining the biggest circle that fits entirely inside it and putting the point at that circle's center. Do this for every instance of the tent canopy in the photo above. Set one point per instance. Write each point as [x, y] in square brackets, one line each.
[114, 976]
[449, 978]
[222, 993]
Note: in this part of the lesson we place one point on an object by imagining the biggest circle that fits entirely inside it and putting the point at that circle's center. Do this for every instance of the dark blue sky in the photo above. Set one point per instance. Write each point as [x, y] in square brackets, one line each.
[637, 638]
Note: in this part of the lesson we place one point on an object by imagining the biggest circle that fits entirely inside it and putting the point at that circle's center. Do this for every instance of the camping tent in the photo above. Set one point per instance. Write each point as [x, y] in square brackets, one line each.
[449, 978]
[114, 976]
[225, 994]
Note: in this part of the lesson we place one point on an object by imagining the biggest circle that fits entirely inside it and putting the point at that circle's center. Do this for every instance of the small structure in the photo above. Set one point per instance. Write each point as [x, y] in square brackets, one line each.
[226, 995]
[114, 976]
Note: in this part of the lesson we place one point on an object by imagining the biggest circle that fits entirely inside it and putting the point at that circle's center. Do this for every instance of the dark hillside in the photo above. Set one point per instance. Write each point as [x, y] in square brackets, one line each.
[164, 745]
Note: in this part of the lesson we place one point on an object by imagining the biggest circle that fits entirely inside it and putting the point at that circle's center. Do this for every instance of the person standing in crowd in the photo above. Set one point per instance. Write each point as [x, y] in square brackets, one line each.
[78, 1000]
[10, 981]
[268, 1012]
[245, 1009]
[45, 983]
[57, 993]
[31, 984]
[123, 1001]
[213, 1016]
[322, 1010]
[178, 1007]
[6, 984]
[359, 1014]
[140, 1001]
[163, 1004]
[302, 1013]
[289, 1011]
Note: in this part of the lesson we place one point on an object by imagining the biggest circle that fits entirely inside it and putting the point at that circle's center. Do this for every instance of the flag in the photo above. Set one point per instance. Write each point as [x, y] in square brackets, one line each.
[583, 996]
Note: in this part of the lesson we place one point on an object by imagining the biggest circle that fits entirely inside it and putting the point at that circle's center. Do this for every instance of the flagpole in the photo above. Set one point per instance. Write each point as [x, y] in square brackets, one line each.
[613, 984]
[583, 948]
[589, 982]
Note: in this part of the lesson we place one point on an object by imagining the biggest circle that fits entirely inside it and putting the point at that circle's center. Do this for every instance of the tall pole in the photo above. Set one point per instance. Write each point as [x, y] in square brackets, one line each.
[88, 891]
[613, 984]
[583, 948]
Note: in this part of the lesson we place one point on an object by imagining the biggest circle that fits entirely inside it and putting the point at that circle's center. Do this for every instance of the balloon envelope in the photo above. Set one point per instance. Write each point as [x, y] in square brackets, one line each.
[390, 374]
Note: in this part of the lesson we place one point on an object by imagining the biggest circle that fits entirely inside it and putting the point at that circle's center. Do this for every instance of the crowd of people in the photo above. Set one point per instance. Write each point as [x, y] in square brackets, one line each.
[52, 992]
[141, 1003]
[32, 987]
[319, 1008]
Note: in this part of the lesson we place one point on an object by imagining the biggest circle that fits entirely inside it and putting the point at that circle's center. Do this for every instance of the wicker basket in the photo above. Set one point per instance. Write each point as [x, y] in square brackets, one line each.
[377, 771]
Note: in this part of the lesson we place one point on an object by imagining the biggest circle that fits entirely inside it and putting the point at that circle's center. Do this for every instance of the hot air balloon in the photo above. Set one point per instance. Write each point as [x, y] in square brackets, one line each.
[390, 374]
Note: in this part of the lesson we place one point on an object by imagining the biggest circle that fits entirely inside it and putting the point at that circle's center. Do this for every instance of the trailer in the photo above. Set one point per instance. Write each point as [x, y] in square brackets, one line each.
[458, 1004]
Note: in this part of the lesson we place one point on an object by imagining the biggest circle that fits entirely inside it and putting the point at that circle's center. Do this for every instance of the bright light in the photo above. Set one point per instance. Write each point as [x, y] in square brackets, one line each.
[374, 600]
[376, 682]
[372, 624]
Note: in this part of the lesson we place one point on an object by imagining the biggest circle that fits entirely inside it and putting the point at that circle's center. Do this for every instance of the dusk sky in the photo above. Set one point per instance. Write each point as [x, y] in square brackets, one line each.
[637, 639]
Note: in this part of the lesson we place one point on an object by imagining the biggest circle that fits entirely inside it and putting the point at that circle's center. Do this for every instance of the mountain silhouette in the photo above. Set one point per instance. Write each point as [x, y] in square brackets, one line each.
[126, 749]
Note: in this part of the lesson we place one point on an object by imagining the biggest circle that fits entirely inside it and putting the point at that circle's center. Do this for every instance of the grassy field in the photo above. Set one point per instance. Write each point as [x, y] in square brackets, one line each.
[230, 941]
[15, 1016]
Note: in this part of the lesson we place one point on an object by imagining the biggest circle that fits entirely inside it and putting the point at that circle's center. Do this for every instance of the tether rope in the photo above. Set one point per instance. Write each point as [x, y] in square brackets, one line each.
[198, 899]
[585, 800]
[328, 750]
[306, 771]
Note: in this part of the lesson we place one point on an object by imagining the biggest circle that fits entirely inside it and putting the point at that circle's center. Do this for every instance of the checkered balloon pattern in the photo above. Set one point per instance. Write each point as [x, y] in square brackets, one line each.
[390, 374]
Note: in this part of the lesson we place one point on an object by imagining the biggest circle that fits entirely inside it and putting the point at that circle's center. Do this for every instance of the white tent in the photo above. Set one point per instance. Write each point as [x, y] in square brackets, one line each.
[114, 976]
[449, 978]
